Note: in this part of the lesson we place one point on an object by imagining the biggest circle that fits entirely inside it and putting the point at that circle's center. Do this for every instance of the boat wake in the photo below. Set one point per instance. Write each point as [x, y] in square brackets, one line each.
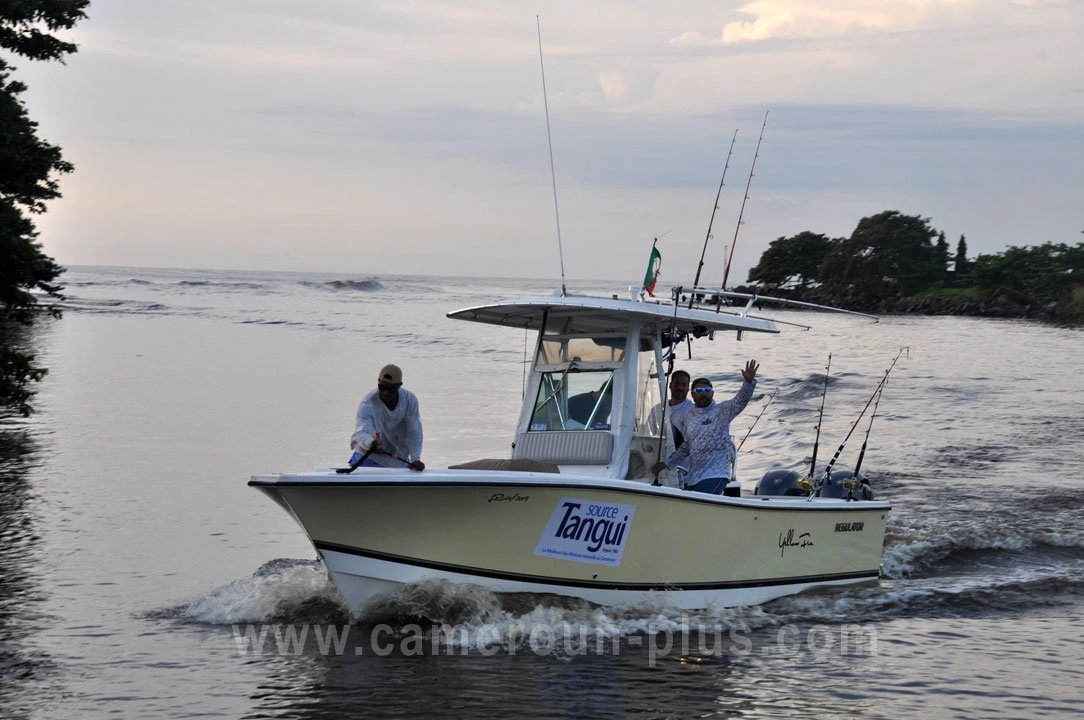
[280, 591]
[945, 577]
[1030, 533]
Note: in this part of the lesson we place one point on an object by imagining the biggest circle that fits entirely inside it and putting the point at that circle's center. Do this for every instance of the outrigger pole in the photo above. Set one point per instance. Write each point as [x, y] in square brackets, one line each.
[553, 173]
[749, 182]
[664, 404]
[828, 468]
[696, 281]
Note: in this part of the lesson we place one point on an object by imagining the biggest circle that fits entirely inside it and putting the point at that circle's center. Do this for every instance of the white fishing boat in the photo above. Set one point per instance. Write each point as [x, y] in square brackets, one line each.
[575, 510]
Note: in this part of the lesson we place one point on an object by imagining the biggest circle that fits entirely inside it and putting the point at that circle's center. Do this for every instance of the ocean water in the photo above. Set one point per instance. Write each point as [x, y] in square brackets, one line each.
[141, 577]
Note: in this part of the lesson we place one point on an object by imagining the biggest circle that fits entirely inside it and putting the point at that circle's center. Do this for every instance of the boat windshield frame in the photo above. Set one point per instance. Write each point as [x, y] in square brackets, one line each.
[573, 400]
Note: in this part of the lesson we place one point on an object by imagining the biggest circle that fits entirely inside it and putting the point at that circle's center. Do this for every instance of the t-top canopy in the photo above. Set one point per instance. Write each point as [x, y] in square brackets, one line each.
[588, 315]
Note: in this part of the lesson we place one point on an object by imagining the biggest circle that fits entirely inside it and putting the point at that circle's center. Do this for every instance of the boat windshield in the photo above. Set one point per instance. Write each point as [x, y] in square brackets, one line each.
[573, 400]
[557, 349]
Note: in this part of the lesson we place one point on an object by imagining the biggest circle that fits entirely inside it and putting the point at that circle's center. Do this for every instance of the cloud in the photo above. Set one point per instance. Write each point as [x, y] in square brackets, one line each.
[613, 86]
[770, 22]
[826, 18]
[689, 38]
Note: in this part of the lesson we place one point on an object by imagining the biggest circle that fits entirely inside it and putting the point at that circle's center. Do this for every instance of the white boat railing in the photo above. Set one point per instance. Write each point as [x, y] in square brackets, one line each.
[716, 300]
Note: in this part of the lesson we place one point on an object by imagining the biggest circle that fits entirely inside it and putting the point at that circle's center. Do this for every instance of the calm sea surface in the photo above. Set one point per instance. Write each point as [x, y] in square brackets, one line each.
[141, 577]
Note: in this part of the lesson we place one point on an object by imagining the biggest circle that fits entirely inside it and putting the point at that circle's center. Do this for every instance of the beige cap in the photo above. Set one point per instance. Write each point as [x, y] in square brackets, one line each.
[391, 375]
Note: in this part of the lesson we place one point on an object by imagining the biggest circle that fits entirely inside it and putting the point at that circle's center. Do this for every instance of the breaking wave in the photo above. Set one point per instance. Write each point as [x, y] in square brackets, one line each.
[115, 307]
[224, 285]
[368, 285]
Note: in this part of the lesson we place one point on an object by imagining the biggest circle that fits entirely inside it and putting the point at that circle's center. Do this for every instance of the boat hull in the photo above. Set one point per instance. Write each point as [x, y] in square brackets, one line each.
[607, 541]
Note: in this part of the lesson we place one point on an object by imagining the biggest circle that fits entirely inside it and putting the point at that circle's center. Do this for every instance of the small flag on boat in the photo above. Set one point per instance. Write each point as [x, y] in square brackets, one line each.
[654, 265]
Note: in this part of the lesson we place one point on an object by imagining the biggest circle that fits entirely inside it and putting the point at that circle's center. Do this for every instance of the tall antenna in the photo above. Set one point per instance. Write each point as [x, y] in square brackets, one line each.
[553, 173]
[696, 281]
[756, 154]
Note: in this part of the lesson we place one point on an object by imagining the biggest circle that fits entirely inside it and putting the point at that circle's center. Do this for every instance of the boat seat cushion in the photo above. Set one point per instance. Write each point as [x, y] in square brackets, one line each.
[566, 447]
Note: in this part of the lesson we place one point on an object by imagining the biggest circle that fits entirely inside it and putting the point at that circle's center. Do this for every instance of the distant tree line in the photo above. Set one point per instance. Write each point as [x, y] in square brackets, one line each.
[893, 261]
[29, 168]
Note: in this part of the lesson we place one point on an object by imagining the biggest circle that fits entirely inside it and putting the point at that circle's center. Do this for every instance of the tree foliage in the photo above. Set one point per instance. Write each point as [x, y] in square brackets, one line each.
[21, 23]
[941, 251]
[887, 255]
[892, 257]
[794, 259]
[29, 168]
[962, 263]
[1044, 273]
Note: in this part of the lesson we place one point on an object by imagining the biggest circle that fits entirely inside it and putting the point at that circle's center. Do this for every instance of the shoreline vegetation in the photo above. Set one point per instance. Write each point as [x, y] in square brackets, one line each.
[30, 179]
[1002, 302]
[899, 264]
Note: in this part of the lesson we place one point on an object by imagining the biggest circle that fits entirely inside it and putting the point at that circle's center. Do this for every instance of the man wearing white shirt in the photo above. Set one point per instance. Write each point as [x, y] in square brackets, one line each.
[388, 423]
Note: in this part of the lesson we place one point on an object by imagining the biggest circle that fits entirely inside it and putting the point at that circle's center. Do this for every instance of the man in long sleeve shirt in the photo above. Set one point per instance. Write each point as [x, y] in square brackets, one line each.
[678, 404]
[707, 434]
[389, 422]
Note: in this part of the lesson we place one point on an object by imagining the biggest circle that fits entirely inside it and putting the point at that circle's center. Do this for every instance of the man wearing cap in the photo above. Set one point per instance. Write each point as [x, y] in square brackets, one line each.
[707, 443]
[389, 423]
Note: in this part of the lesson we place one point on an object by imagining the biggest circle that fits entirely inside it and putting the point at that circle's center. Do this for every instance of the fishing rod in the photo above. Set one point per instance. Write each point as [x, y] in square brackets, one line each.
[828, 468]
[862, 452]
[750, 430]
[748, 183]
[553, 173]
[711, 222]
[820, 417]
[872, 417]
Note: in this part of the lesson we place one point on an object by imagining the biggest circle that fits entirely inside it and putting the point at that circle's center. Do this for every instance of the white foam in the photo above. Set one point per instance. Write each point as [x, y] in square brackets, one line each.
[263, 597]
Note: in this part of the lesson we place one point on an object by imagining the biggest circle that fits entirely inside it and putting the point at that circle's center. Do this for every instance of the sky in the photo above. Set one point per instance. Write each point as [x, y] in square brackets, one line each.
[410, 136]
